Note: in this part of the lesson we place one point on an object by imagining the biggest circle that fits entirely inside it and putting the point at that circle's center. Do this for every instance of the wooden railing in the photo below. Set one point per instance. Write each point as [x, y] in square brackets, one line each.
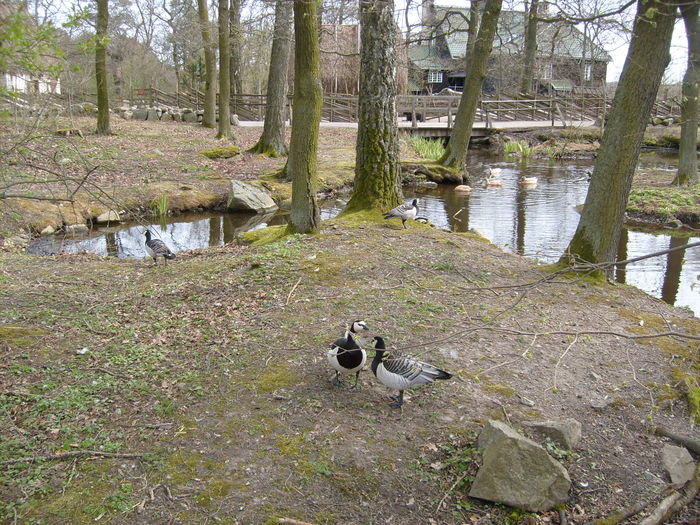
[425, 108]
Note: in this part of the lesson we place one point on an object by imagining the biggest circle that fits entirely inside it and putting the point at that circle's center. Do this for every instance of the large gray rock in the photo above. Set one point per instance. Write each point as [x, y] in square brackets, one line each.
[678, 463]
[518, 472]
[249, 198]
[153, 114]
[566, 432]
[189, 117]
[139, 114]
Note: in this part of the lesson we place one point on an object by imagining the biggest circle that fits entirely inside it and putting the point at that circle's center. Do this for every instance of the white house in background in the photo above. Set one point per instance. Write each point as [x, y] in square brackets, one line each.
[30, 83]
[18, 79]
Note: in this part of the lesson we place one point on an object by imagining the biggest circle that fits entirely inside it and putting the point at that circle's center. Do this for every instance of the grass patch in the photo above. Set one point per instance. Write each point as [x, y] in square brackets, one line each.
[666, 202]
[432, 149]
[518, 148]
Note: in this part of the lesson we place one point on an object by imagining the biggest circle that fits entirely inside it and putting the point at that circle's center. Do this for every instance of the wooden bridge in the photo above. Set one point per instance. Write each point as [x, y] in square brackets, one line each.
[423, 112]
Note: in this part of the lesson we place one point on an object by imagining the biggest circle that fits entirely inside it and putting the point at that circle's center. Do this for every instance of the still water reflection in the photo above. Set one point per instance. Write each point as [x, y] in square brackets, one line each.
[535, 221]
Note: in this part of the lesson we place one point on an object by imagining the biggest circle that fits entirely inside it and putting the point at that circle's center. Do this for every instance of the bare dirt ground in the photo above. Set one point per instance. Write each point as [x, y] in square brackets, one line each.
[213, 371]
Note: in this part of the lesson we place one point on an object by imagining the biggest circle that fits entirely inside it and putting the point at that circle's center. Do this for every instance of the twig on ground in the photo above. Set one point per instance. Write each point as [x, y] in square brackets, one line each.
[291, 292]
[72, 454]
[556, 367]
[444, 497]
[290, 521]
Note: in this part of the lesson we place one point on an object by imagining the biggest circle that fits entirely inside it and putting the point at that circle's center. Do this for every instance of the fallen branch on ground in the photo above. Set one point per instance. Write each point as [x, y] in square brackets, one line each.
[72, 454]
[289, 521]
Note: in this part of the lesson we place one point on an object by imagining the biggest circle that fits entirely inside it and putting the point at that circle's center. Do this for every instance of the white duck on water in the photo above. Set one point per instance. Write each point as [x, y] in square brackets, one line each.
[400, 371]
[404, 212]
[157, 248]
[347, 355]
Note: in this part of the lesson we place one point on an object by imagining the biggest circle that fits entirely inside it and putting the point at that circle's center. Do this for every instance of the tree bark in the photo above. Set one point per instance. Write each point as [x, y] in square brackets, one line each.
[456, 150]
[308, 100]
[101, 68]
[599, 227]
[236, 45]
[530, 51]
[209, 118]
[688, 154]
[472, 31]
[272, 141]
[224, 78]
[377, 174]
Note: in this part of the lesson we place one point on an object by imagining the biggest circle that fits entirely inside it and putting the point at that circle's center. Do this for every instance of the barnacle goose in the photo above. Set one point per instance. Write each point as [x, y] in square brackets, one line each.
[157, 248]
[400, 371]
[347, 356]
[404, 212]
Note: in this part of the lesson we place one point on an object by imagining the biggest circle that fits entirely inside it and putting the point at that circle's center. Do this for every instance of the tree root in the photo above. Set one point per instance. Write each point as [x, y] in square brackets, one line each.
[689, 443]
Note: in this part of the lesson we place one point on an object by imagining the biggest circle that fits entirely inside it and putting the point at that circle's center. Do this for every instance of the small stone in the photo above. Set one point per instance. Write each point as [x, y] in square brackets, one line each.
[82, 351]
[596, 376]
[49, 230]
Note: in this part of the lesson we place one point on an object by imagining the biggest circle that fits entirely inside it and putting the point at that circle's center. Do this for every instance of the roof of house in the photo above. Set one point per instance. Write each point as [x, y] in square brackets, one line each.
[555, 39]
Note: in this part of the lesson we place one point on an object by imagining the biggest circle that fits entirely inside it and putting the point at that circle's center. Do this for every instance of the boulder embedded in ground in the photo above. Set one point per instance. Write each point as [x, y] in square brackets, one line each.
[678, 463]
[249, 198]
[108, 216]
[566, 432]
[76, 228]
[189, 117]
[153, 115]
[139, 114]
[518, 472]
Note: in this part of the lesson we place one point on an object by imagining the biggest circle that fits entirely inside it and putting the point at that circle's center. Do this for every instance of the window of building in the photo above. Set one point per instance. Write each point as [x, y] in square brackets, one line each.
[547, 71]
[588, 72]
[434, 77]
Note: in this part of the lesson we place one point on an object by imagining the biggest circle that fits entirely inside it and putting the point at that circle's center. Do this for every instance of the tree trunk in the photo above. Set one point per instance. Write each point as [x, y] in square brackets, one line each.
[236, 48]
[598, 230]
[688, 154]
[456, 150]
[101, 68]
[530, 51]
[272, 140]
[224, 78]
[308, 100]
[472, 31]
[209, 119]
[377, 174]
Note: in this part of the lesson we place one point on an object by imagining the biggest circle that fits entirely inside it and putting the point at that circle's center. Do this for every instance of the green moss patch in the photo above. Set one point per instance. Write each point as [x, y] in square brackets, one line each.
[221, 152]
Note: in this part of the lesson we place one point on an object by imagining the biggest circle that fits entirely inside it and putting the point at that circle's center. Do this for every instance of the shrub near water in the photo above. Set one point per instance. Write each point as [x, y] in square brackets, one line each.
[427, 148]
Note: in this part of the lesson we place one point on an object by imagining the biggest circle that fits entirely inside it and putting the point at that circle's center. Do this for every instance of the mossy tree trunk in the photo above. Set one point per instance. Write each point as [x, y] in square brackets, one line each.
[271, 141]
[224, 78]
[209, 118]
[528, 71]
[103, 127]
[596, 236]
[456, 150]
[308, 100]
[377, 174]
[236, 47]
[688, 155]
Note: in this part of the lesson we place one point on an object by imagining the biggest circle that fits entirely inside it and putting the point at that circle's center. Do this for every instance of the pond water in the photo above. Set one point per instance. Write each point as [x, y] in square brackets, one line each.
[532, 220]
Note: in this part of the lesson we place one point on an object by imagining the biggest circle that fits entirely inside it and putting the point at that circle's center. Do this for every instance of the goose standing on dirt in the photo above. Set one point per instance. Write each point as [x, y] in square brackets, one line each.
[400, 371]
[347, 356]
[157, 248]
[404, 212]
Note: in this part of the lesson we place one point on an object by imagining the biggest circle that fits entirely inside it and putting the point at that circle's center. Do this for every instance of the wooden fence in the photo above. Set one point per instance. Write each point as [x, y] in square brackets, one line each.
[585, 106]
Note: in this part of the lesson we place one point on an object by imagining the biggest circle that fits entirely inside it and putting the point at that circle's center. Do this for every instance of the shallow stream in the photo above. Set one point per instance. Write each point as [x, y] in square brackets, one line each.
[532, 220]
